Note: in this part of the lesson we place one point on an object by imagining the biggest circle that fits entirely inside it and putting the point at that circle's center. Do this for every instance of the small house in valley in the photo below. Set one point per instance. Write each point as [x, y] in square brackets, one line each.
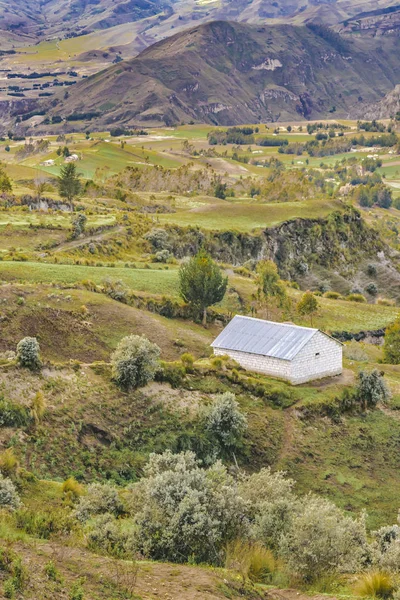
[283, 350]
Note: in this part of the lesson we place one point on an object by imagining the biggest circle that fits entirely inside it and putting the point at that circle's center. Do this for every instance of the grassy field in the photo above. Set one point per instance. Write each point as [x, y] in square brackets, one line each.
[242, 216]
[154, 281]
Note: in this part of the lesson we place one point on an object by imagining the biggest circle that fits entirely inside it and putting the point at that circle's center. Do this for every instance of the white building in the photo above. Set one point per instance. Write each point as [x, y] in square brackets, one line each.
[295, 354]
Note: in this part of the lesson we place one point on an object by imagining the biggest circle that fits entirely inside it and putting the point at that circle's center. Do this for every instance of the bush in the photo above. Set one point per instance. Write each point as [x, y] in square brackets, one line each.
[375, 584]
[371, 289]
[224, 422]
[372, 389]
[332, 295]
[187, 361]
[172, 373]
[72, 488]
[135, 362]
[28, 353]
[356, 298]
[9, 497]
[105, 534]
[13, 415]
[322, 540]
[187, 513]
[98, 500]
[8, 462]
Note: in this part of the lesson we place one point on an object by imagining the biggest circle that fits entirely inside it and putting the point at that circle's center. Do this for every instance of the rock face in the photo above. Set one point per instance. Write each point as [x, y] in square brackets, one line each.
[386, 108]
[228, 73]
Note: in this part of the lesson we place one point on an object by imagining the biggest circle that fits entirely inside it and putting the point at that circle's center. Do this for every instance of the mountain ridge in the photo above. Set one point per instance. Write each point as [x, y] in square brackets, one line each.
[226, 73]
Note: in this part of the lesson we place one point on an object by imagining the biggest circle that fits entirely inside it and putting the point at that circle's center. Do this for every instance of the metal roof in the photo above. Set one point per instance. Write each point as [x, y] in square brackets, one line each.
[267, 338]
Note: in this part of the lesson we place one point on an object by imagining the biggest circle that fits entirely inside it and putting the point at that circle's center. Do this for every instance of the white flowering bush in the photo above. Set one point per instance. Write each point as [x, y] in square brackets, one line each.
[28, 353]
[135, 362]
[188, 513]
[9, 497]
[224, 421]
[100, 499]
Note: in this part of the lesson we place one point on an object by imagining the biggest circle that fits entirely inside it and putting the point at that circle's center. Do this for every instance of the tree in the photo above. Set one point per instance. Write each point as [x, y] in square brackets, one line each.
[225, 422]
[41, 185]
[5, 183]
[28, 353]
[391, 348]
[269, 283]
[69, 184]
[201, 283]
[135, 362]
[308, 305]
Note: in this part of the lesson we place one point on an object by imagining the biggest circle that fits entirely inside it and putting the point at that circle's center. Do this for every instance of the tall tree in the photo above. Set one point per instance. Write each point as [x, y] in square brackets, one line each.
[308, 305]
[201, 283]
[269, 284]
[69, 183]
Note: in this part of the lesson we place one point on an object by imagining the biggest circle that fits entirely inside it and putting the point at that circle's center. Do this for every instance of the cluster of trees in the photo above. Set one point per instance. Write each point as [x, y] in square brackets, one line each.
[373, 194]
[233, 135]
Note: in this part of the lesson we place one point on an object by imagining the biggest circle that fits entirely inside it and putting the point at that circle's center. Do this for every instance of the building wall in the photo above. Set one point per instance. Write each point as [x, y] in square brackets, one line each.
[321, 357]
[261, 364]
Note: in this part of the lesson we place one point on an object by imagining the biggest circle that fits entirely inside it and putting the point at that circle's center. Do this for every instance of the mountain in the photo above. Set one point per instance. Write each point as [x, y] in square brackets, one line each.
[230, 73]
[27, 21]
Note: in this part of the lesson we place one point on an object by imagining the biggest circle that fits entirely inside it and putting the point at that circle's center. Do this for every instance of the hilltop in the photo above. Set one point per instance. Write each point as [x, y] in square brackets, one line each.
[233, 73]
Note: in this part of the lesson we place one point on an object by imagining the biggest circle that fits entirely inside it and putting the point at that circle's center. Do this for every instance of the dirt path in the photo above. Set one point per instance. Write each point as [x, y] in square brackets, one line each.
[93, 238]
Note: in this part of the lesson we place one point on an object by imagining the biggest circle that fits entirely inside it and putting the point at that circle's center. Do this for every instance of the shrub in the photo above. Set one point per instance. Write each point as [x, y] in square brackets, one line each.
[356, 298]
[332, 295]
[100, 498]
[28, 353]
[391, 348]
[372, 389]
[105, 534]
[354, 351]
[187, 361]
[375, 584]
[76, 592]
[8, 462]
[172, 373]
[224, 422]
[217, 363]
[72, 488]
[135, 362]
[187, 512]
[322, 540]
[371, 270]
[13, 415]
[371, 289]
[9, 497]
[51, 571]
